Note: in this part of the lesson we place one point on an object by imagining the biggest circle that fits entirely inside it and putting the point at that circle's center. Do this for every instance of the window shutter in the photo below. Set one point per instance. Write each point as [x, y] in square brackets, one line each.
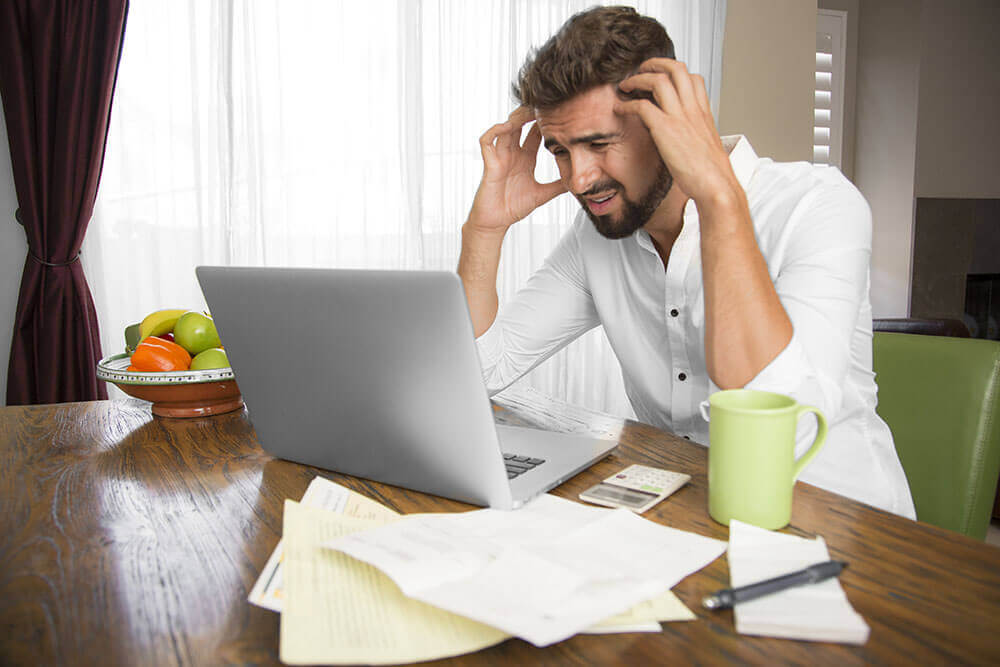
[828, 110]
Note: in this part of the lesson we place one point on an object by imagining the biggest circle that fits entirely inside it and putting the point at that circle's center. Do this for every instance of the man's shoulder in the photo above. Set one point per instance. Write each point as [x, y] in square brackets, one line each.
[796, 179]
[807, 193]
[813, 203]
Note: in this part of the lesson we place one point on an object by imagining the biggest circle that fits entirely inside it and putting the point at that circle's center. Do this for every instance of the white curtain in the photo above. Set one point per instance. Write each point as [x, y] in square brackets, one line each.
[328, 133]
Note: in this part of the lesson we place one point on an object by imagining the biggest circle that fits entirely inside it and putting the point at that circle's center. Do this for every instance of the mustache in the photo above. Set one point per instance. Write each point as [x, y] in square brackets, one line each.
[603, 186]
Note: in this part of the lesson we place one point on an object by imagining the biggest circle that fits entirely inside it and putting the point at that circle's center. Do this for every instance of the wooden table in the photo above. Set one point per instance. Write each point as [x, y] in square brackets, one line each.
[128, 539]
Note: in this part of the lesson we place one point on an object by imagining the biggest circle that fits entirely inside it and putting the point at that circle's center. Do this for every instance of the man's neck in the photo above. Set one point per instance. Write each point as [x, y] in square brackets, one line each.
[668, 219]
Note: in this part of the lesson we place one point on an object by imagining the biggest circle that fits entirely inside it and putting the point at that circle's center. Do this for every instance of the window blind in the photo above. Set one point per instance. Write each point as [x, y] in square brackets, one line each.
[829, 102]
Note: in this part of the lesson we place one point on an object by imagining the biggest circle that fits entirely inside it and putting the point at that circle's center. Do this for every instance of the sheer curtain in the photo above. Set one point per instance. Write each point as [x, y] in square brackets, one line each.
[330, 134]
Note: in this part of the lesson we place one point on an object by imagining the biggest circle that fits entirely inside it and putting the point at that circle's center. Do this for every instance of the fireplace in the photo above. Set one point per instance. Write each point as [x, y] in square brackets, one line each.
[956, 263]
[982, 305]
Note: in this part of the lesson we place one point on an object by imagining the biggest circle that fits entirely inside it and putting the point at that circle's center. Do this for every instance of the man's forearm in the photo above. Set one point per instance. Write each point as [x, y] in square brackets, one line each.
[477, 267]
[746, 326]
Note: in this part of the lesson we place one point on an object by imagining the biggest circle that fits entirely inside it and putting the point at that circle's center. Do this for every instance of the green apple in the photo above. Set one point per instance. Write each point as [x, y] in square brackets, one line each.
[196, 332]
[214, 357]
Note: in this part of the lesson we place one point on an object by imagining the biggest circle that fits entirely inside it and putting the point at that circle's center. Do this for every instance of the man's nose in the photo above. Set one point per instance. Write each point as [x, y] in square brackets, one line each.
[584, 173]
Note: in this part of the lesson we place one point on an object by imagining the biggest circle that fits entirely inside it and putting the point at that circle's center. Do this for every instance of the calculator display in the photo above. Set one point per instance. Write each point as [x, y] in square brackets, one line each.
[621, 495]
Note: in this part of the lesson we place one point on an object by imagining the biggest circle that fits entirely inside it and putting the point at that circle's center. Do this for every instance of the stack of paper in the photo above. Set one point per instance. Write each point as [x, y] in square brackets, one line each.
[338, 610]
[269, 591]
[542, 573]
[818, 612]
[341, 611]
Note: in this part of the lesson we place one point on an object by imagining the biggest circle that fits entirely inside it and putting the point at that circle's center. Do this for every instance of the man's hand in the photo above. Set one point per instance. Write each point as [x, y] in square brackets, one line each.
[509, 191]
[746, 326]
[680, 123]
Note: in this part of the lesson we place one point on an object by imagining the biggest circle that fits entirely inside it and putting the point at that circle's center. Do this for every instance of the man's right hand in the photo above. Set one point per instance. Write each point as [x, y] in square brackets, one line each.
[509, 191]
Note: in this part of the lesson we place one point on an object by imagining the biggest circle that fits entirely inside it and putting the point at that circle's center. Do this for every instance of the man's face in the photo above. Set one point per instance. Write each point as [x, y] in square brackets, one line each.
[609, 162]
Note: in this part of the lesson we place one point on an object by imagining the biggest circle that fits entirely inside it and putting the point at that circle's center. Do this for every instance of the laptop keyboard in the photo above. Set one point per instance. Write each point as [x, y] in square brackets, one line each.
[518, 465]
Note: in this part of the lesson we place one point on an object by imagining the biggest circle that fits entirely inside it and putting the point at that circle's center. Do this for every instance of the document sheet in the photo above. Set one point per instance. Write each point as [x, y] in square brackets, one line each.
[818, 612]
[268, 591]
[543, 573]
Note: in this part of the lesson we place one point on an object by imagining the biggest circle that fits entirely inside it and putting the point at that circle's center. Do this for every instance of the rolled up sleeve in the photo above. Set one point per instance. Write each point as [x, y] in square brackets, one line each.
[551, 310]
[822, 275]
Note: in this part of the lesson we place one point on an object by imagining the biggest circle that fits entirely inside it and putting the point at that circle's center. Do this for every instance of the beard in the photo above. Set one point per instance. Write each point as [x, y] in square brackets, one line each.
[635, 214]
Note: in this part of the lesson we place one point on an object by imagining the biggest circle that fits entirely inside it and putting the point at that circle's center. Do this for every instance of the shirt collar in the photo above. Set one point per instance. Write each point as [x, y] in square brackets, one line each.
[742, 157]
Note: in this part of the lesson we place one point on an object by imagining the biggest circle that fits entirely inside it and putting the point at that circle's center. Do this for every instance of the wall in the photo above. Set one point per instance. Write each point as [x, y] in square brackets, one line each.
[12, 253]
[888, 74]
[957, 230]
[769, 75]
[958, 134]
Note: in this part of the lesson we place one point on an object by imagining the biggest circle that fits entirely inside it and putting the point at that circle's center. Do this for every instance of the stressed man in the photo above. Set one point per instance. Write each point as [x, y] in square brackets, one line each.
[708, 267]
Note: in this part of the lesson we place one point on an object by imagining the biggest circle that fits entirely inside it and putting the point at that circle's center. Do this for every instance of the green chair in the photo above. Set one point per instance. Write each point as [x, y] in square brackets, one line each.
[940, 397]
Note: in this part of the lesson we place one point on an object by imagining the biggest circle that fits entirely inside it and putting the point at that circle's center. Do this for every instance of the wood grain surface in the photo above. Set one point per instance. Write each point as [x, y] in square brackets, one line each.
[133, 540]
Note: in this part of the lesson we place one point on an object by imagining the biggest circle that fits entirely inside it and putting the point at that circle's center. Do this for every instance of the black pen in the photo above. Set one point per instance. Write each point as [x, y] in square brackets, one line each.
[811, 575]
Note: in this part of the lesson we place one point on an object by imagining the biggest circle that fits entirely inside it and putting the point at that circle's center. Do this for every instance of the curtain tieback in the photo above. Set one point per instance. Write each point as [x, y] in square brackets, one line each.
[17, 216]
[56, 264]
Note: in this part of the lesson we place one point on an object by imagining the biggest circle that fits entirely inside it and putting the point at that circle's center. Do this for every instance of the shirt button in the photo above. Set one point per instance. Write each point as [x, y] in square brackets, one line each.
[682, 377]
[674, 312]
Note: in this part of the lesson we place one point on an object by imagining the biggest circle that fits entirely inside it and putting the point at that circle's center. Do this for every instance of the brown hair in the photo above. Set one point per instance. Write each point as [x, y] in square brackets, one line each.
[598, 46]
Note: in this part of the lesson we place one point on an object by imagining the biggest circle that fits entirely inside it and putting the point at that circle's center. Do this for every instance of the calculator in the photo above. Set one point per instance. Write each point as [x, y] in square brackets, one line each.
[635, 488]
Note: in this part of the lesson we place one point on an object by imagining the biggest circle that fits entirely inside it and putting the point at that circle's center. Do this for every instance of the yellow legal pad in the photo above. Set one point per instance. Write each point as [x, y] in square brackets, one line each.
[339, 610]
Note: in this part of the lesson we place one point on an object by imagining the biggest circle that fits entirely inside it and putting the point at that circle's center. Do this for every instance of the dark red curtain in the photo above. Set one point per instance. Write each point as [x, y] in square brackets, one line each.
[58, 63]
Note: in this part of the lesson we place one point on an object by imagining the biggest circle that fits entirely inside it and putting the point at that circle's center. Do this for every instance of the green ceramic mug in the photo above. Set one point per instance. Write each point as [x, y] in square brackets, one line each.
[751, 455]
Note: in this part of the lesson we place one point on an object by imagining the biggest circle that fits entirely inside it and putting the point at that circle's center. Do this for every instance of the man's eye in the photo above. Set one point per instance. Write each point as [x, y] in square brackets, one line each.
[558, 152]
[599, 145]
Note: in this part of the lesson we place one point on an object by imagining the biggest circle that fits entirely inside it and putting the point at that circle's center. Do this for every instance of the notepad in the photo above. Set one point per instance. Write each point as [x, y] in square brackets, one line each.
[816, 612]
[341, 611]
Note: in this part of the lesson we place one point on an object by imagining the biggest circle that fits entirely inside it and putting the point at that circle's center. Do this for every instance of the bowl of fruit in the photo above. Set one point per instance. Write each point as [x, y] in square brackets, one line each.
[175, 360]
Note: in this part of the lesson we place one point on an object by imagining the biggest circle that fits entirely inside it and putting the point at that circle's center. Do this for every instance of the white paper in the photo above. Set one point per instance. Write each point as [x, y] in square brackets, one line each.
[543, 573]
[817, 612]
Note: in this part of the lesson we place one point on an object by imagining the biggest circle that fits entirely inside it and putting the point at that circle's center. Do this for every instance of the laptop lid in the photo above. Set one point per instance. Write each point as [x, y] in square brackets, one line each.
[369, 373]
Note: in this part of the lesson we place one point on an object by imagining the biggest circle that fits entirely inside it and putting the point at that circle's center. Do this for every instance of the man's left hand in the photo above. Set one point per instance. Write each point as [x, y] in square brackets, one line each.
[680, 122]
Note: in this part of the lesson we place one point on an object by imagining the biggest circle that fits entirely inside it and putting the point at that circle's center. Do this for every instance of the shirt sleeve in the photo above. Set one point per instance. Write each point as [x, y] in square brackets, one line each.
[554, 308]
[822, 281]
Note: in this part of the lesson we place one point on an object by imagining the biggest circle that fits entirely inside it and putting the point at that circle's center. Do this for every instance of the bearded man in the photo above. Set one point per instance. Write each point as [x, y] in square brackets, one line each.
[708, 267]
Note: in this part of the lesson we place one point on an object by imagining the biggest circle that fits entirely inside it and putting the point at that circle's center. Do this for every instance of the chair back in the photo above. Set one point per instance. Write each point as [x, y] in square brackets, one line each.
[940, 397]
[928, 327]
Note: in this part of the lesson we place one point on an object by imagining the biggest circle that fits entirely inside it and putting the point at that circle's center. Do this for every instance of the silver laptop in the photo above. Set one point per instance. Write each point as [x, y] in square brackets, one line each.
[376, 374]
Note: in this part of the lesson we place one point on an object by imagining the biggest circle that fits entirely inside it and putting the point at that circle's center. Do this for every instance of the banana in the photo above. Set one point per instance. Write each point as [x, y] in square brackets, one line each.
[159, 322]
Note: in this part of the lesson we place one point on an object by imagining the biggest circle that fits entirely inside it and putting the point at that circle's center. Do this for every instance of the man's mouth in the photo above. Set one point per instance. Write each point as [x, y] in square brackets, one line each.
[600, 204]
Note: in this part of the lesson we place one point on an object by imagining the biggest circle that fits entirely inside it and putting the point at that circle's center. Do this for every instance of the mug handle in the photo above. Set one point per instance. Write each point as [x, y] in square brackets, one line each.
[817, 443]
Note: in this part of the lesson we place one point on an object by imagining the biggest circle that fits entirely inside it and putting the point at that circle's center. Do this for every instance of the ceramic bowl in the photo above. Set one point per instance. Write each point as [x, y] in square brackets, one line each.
[175, 393]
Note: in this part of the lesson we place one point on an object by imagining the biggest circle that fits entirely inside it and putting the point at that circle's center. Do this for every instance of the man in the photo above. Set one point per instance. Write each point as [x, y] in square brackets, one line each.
[708, 267]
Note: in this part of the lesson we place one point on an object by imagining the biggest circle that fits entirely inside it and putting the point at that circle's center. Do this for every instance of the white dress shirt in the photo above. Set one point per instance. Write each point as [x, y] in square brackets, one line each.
[814, 231]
